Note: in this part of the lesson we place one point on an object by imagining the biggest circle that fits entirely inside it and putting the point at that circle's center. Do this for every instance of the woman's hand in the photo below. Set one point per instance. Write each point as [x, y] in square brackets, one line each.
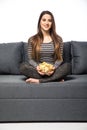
[43, 73]
[51, 72]
[39, 71]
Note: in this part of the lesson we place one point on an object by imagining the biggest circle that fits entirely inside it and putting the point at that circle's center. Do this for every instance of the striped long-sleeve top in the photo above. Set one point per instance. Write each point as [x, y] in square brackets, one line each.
[46, 54]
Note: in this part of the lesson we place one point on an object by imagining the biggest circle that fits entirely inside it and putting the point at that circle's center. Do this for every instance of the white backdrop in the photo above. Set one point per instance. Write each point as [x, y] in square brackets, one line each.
[18, 18]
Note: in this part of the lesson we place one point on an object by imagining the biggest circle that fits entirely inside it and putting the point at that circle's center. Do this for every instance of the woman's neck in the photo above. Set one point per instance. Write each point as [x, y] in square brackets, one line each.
[46, 37]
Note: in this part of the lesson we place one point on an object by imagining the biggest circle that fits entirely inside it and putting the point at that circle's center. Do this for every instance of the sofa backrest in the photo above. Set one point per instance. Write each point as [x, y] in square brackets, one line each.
[10, 57]
[67, 52]
[13, 54]
[75, 52]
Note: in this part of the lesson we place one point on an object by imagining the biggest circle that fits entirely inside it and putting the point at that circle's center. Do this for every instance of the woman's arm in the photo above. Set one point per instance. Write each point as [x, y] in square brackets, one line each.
[57, 62]
[31, 61]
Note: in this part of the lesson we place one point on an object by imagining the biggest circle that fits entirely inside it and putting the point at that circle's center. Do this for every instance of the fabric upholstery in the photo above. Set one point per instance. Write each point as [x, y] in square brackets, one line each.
[79, 57]
[45, 110]
[67, 52]
[14, 86]
[25, 52]
[10, 57]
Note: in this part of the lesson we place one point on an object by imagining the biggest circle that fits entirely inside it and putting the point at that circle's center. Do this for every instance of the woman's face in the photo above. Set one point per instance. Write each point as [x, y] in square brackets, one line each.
[46, 22]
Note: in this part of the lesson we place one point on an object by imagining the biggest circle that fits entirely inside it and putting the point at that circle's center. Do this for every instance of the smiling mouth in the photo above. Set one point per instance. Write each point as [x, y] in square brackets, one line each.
[46, 26]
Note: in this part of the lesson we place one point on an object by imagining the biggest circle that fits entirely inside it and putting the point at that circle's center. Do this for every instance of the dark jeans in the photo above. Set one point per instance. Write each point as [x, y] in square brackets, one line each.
[60, 73]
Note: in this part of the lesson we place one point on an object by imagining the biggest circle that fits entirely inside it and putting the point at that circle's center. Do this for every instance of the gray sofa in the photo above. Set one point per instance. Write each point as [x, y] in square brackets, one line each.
[46, 102]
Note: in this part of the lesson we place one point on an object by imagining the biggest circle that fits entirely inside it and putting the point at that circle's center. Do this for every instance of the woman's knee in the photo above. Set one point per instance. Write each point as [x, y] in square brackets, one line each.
[67, 66]
[23, 67]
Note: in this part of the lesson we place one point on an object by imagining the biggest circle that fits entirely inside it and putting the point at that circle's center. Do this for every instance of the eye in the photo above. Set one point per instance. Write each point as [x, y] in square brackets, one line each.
[43, 19]
[50, 20]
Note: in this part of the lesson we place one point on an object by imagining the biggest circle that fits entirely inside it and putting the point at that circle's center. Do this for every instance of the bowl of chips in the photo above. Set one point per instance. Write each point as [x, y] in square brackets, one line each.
[46, 67]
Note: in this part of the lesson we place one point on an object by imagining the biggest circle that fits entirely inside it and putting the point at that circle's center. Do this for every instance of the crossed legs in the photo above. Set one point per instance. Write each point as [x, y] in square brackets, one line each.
[33, 76]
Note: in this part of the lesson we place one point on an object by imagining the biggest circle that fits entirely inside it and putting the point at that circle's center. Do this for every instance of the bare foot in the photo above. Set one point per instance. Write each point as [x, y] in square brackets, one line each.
[32, 80]
[62, 80]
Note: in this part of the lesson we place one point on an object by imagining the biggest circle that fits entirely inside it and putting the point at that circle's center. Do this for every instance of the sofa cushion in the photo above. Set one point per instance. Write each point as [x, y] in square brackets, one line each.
[25, 52]
[67, 52]
[15, 87]
[10, 57]
[79, 57]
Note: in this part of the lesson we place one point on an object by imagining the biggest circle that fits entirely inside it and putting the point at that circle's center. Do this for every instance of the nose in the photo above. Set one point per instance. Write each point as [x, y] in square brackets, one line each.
[47, 22]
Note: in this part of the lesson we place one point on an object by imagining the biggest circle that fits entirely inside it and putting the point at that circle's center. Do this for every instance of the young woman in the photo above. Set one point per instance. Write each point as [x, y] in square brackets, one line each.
[45, 46]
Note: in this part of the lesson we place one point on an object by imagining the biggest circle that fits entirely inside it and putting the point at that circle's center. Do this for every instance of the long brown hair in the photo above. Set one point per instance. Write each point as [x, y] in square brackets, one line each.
[37, 39]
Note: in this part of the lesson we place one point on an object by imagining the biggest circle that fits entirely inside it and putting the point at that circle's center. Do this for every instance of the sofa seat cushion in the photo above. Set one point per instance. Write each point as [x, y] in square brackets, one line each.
[15, 87]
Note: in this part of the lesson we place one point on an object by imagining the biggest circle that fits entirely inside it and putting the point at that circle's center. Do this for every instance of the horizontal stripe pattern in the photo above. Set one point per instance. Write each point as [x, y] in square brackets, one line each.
[47, 52]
